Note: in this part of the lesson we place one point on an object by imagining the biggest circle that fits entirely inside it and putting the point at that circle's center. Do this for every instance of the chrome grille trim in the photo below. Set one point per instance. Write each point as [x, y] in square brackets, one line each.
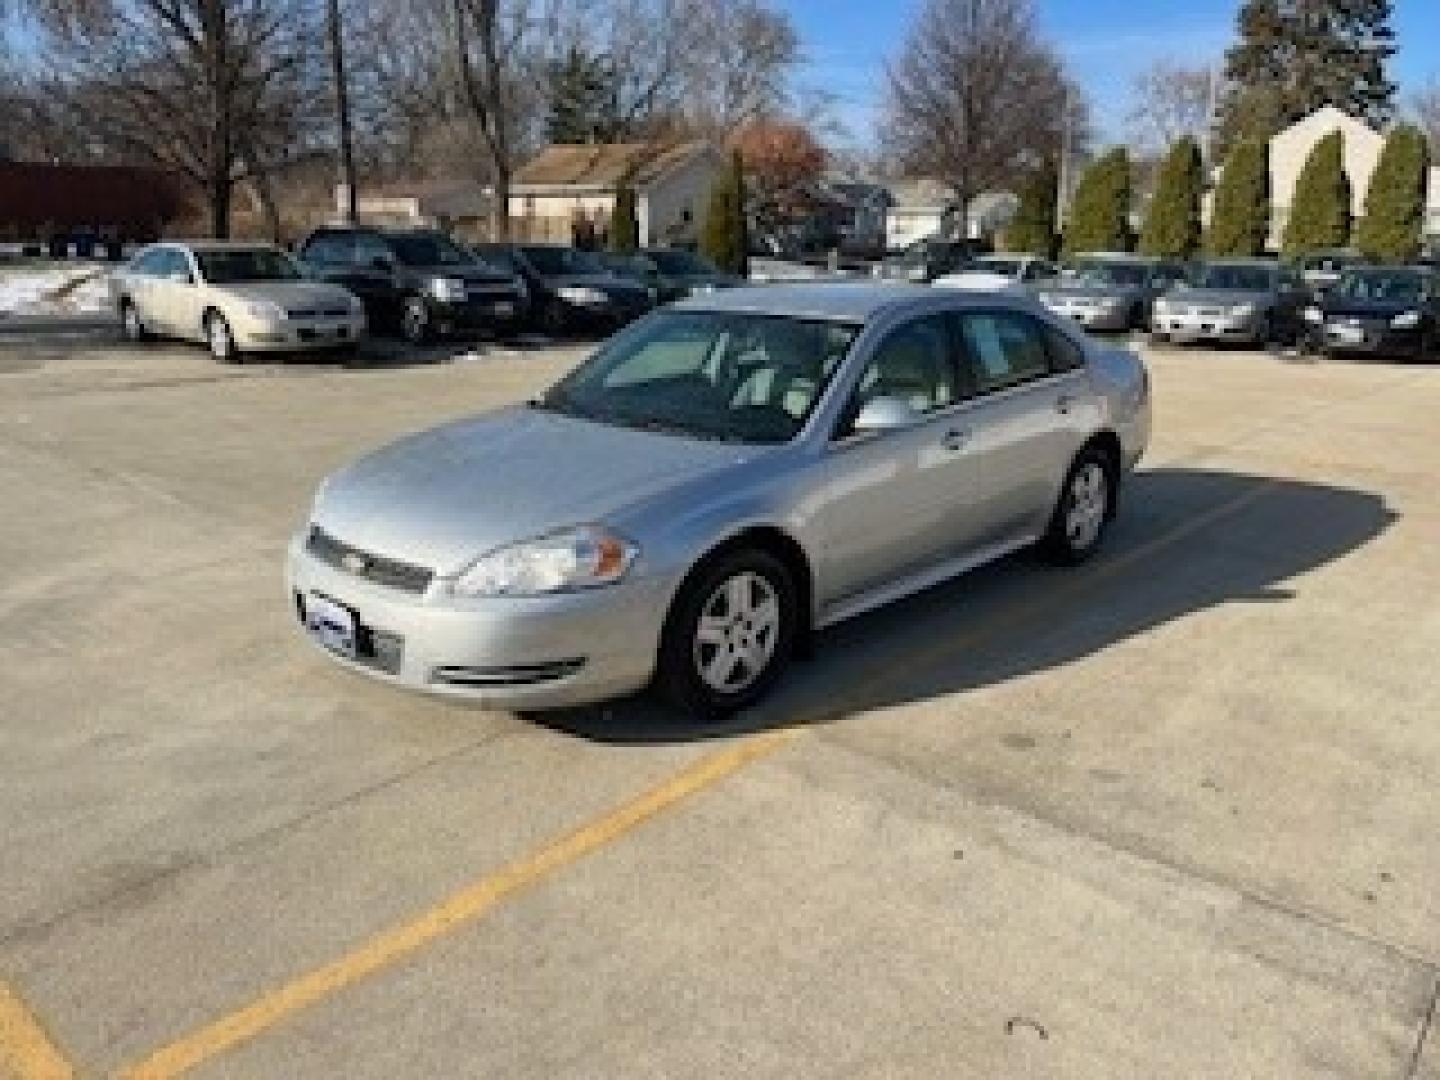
[390, 573]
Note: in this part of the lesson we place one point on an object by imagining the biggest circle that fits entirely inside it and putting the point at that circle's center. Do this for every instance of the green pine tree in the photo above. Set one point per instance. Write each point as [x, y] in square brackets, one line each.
[584, 99]
[1033, 229]
[1394, 217]
[1172, 225]
[1320, 210]
[1294, 56]
[624, 222]
[1100, 211]
[723, 236]
[1240, 215]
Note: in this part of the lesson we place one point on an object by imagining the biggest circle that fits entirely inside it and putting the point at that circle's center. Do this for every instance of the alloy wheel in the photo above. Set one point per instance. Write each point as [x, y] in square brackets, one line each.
[222, 342]
[737, 633]
[1088, 504]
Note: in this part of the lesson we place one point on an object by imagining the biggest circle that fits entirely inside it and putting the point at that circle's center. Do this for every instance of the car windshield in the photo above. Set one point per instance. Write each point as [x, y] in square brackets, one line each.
[680, 263]
[559, 261]
[627, 265]
[733, 376]
[1392, 287]
[1106, 272]
[1328, 264]
[421, 249]
[1232, 277]
[236, 265]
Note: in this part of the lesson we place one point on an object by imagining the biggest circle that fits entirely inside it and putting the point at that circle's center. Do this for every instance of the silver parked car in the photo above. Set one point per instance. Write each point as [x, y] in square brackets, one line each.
[1111, 292]
[1252, 301]
[713, 485]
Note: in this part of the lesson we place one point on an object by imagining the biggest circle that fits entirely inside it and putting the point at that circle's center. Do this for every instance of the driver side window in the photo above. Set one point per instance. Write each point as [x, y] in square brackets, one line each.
[915, 364]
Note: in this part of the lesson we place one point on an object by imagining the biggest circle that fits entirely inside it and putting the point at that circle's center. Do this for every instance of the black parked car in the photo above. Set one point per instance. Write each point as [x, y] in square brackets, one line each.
[672, 273]
[925, 260]
[1384, 310]
[571, 290]
[418, 281]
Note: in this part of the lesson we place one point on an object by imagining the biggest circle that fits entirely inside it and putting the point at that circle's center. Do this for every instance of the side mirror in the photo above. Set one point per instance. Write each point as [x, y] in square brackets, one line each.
[884, 414]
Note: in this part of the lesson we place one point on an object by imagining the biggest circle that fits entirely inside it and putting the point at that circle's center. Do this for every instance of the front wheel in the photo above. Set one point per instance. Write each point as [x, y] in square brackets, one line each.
[729, 635]
[131, 325]
[1086, 503]
[220, 339]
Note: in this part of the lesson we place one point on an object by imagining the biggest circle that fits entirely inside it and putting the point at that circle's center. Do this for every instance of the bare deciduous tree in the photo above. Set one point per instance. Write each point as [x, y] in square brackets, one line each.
[1427, 112]
[1171, 101]
[214, 89]
[975, 97]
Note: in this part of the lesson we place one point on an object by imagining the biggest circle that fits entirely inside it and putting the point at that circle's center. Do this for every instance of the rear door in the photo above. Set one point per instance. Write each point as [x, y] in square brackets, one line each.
[1031, 412]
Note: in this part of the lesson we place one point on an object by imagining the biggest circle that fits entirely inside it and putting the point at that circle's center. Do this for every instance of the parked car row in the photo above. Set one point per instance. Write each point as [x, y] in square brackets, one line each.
[420, 284]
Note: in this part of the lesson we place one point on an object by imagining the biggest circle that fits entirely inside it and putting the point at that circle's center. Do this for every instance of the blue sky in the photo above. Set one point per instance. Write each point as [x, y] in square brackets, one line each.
[1105, 42]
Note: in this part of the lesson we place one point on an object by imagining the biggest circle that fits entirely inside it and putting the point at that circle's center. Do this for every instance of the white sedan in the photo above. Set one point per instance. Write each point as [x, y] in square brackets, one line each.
[233, 297]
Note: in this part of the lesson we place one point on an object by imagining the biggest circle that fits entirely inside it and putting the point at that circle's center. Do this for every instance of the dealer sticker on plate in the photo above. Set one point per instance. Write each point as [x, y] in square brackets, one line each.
[331, 624]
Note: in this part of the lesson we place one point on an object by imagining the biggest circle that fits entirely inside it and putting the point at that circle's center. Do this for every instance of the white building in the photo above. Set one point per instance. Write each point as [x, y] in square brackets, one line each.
[924, 208]
[1290, 149]
[564, 184]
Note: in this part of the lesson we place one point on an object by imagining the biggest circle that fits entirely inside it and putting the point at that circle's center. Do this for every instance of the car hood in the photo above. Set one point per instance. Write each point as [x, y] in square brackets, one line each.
[441, 498]
[1219, 297]
[471, 273]
[1094, 292]
[289, 294]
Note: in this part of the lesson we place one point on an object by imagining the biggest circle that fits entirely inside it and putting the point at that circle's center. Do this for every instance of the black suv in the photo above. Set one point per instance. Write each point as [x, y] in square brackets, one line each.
[418, 281]
[572, 290]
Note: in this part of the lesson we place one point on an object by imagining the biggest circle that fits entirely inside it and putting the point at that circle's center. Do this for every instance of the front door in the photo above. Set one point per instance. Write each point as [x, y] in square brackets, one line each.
[889, 499]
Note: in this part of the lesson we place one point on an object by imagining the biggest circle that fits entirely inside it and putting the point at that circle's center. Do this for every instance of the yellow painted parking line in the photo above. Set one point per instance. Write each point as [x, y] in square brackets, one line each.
[394, 945]
[470, 903]
[26, 1052]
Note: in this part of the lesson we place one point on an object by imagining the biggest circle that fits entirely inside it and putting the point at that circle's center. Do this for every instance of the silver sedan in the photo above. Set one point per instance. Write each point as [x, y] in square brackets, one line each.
[713, 486]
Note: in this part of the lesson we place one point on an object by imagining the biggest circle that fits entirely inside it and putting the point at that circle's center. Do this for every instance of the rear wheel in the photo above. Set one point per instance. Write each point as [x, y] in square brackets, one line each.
[1086, 503]
[220, 339]
[729, 635]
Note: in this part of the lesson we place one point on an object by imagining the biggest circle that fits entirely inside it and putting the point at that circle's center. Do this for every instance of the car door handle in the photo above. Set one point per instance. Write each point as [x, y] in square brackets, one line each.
[1063, 404]
[955, 439]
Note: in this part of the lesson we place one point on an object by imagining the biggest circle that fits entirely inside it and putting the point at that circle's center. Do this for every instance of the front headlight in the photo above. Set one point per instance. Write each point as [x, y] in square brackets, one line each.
[1314, 315]
[265, 311]
[703, 289]
[580, 294]
[1406, 320]
[586, 557]
[447, 290]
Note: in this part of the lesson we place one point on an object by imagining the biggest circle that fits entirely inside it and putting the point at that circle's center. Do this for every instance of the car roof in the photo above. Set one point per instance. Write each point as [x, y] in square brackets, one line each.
[219, 245]
[854, 302]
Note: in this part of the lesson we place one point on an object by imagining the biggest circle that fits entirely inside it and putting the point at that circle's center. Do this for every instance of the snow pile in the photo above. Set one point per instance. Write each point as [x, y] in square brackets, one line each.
[54, 289]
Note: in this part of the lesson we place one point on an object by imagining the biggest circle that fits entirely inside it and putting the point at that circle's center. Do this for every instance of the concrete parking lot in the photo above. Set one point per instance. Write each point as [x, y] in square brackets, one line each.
[1173, 814]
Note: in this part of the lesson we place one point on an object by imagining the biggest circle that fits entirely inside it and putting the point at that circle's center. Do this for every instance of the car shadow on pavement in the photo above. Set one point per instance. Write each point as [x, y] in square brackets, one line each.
[1186, 540]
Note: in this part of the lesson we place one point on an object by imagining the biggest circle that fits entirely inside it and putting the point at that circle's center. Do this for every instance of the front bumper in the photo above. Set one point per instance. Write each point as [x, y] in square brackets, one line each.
[501, 311]
[1375, 337]
[1214, 324]
[512, 653]
[292, 336]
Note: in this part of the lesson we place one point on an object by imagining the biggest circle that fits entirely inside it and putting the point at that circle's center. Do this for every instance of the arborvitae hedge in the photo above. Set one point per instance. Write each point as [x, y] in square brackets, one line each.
[1100, 213]
[723, 236]
[1320, 210]
[1172, 225]
[624, 222]
[1394, 217]
[1032, 230]
[1240, 216]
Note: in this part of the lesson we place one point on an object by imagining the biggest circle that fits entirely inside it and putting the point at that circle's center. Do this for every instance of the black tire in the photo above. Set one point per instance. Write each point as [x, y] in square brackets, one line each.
[415, 324]
[679, 676]
[220, 339]
[1074, 535]
[132, 327]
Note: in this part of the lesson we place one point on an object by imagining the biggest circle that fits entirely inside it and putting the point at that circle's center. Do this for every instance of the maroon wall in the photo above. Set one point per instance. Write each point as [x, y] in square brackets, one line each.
[118, 201]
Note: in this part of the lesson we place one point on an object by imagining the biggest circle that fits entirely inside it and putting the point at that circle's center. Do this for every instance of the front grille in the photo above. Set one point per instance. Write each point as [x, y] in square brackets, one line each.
[391, 573]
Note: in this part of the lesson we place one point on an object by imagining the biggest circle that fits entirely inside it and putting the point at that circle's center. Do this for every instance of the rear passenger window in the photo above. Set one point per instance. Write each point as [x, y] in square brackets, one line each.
[1003, 349]
[915, 364]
